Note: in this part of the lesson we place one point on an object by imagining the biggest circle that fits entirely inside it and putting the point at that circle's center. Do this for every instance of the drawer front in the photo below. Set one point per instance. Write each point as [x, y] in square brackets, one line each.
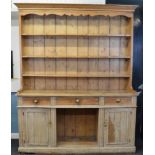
[117, 100]
[76, 100]
[35, 101]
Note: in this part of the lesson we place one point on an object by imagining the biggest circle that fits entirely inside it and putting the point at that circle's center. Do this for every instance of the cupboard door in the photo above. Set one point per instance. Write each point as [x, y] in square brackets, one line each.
[119, 127]
[36, 127]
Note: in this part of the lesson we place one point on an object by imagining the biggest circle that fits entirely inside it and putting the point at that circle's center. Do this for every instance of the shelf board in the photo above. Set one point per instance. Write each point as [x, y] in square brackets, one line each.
[76, 106]
[72, 143]
[84, 75]
[79, 35]
[77, 93]
[78, 57]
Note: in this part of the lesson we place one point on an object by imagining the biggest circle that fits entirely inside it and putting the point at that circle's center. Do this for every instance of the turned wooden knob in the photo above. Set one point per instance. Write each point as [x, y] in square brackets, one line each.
[118, 100]
[50, 123]
[36, 101]
[77, 100]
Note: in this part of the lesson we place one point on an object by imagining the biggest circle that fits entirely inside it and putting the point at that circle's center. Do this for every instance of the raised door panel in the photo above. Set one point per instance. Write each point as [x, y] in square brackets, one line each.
[119, 127]
[37, 127]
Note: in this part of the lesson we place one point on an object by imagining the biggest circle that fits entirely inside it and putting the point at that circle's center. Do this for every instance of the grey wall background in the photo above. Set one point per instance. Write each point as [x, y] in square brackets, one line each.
[14, 119]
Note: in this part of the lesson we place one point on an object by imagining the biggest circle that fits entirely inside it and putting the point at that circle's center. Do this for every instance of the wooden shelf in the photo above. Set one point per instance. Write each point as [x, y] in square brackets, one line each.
[78, 57]
[84, 75]
[76, 93]
[85, 143]
[77, 106]
[79, 35]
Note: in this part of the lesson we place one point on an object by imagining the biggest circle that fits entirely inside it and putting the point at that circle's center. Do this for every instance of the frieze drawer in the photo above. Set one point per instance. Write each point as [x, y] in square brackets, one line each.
[117, 100]
[77, 100]
[35, 101]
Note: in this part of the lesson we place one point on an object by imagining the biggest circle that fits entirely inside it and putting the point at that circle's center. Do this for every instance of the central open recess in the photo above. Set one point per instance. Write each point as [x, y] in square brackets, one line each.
[77, 125]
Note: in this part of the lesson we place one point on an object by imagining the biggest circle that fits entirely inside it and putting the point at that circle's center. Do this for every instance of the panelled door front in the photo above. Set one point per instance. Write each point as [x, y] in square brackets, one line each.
[37, 127]
[119, 127]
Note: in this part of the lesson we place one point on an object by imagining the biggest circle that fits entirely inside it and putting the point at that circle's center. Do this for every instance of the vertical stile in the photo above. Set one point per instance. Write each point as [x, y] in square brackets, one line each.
[53, 132]
[131, 52]
[101, 127]
[77, 52]
[21, 44]
[98, 17]
[120, 64]
[123, 52]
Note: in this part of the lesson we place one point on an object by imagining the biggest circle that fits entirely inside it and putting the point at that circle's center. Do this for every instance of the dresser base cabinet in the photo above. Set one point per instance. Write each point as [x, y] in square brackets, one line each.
[76, 92]
[86, 129]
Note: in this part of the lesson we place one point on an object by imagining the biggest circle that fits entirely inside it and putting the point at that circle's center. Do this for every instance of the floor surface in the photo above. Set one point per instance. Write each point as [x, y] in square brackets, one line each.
[14, 150]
